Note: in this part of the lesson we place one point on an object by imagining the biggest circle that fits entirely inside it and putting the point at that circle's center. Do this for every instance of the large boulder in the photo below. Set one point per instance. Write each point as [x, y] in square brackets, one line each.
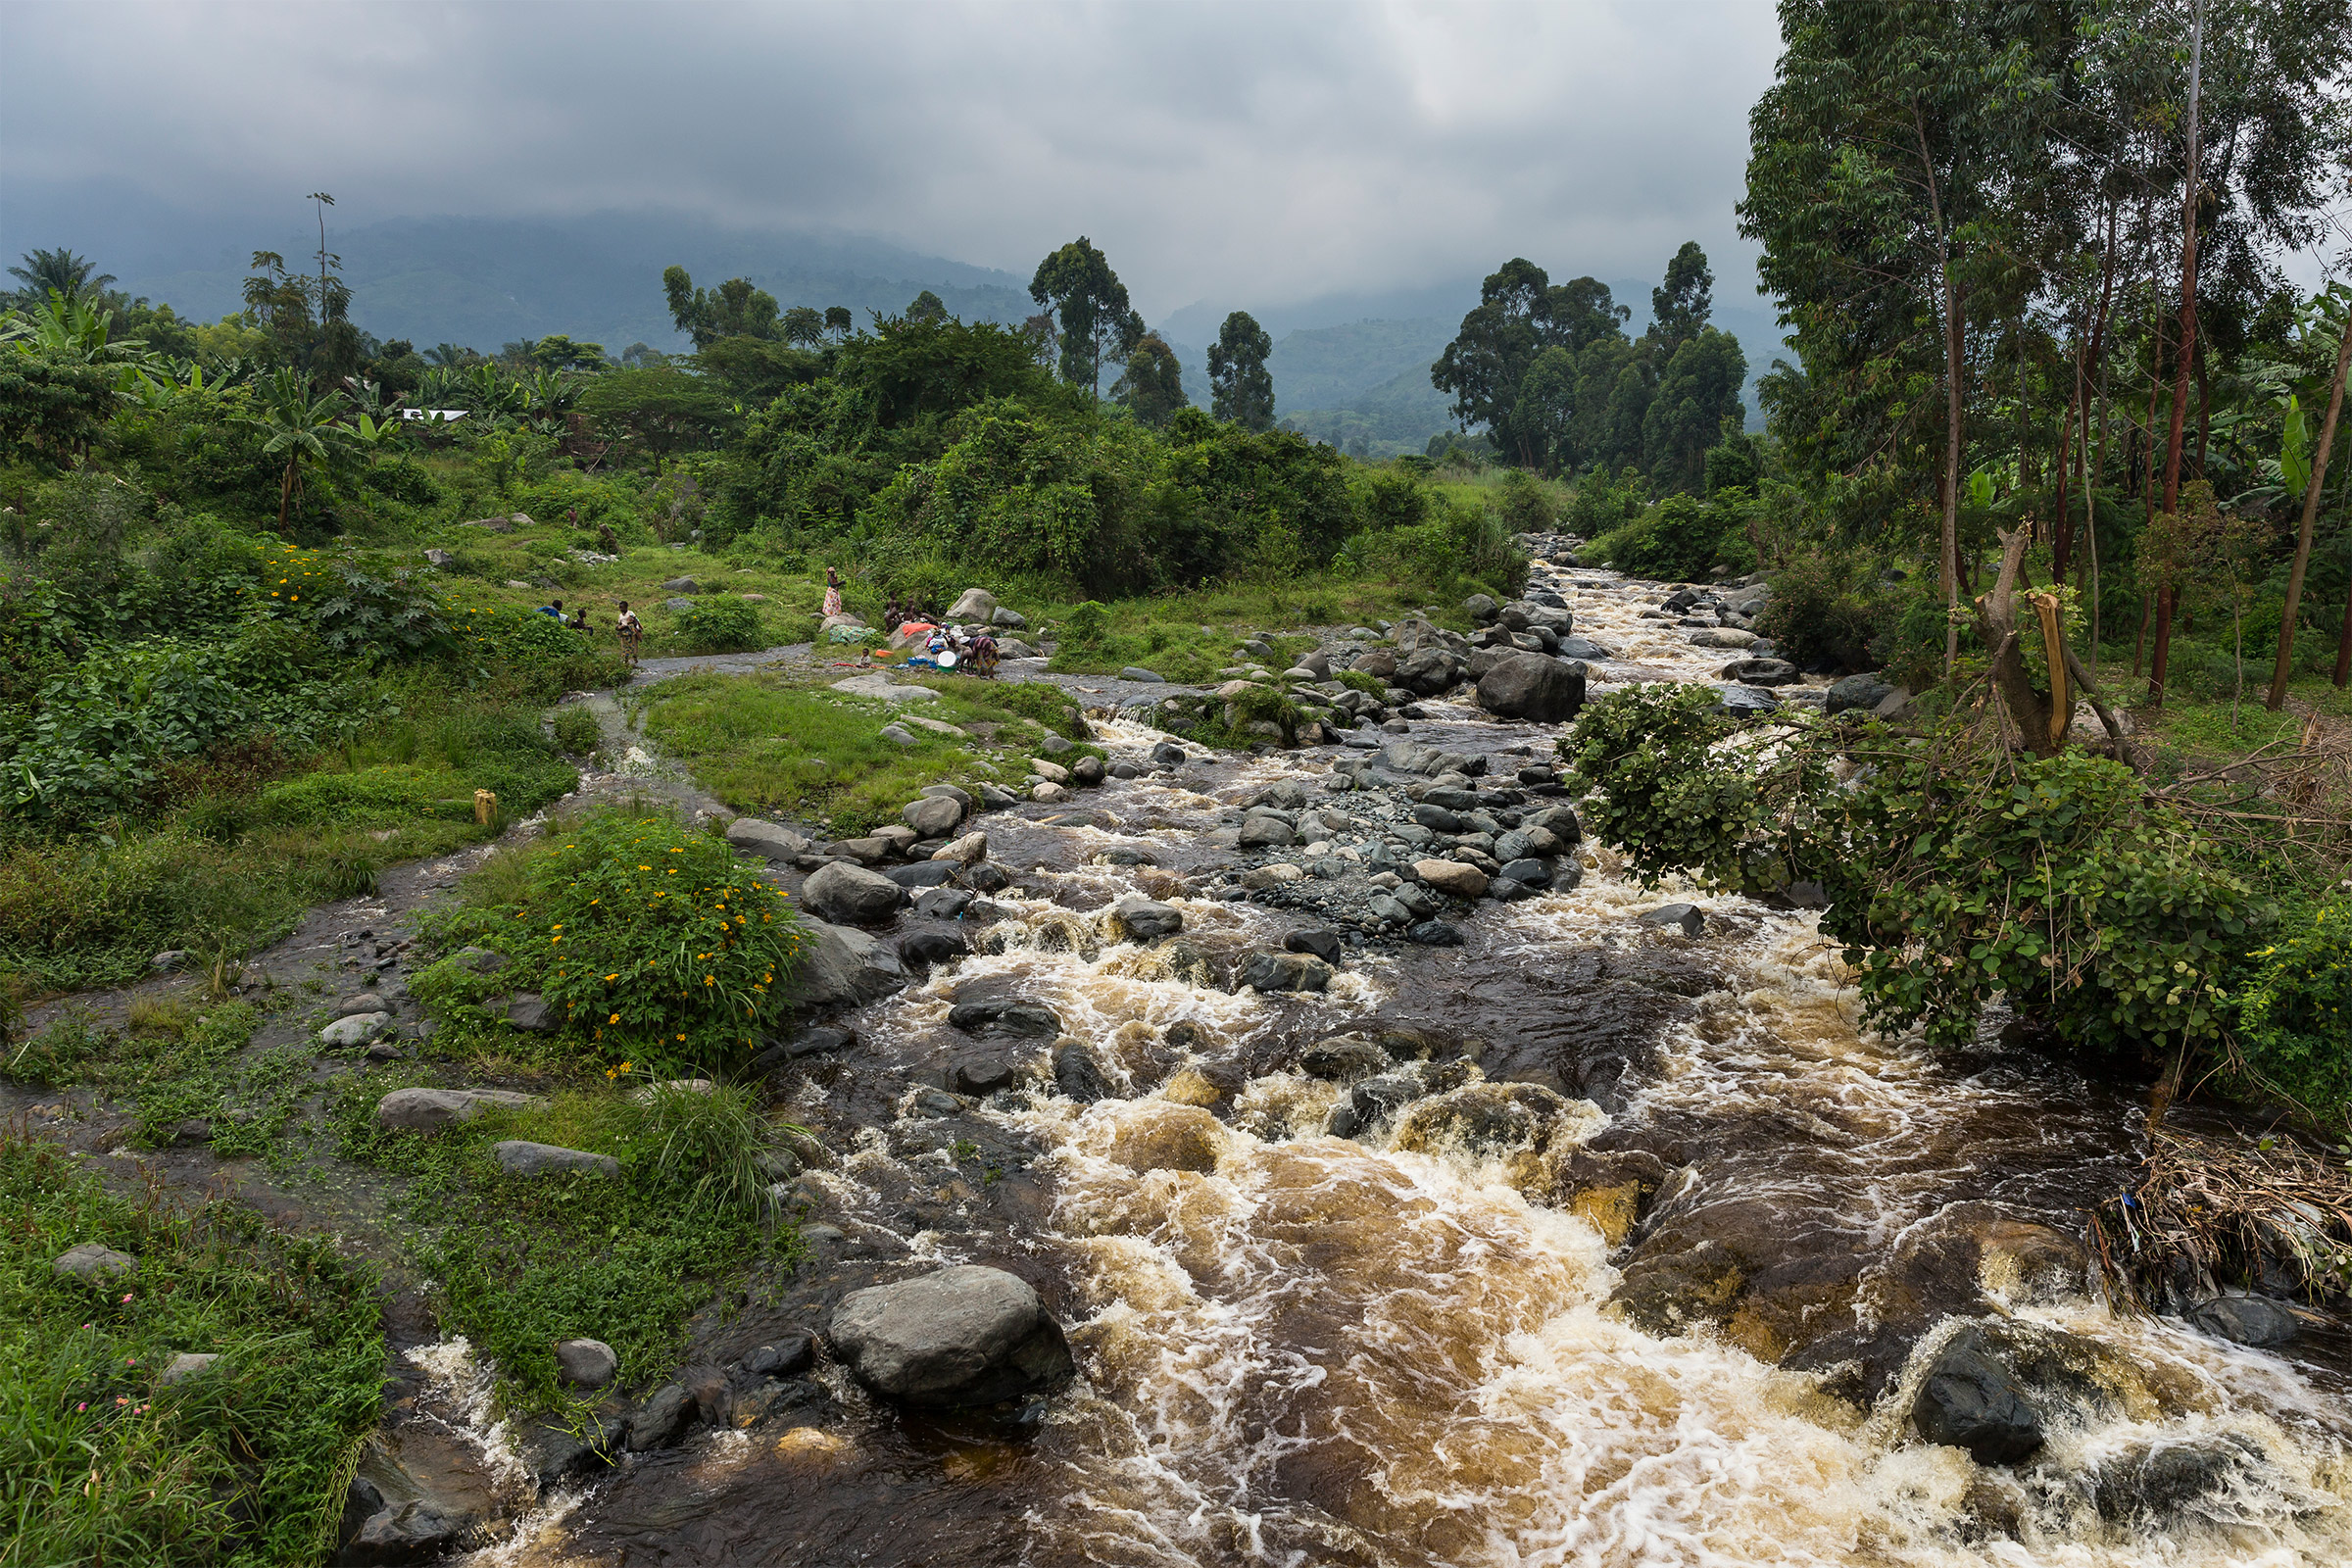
[767, 839]
[518, 1156]
[2248, 1319]
[1723, 637]
[1857, 691]
[1283, 971]
[1004, 1016]
[1454, 878]
[1992, 1388]
[962, 1335]
[1532, 686]
[974, 604]
[2156, 1484]
[841, 966]
[932, 817]
[851, 894]
[1145, 920]
[586, 1363]
[430, 1109]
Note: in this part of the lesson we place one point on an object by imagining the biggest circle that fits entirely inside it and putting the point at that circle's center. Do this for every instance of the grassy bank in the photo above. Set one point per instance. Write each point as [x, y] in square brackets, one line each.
[767, 745]
[241, 1463]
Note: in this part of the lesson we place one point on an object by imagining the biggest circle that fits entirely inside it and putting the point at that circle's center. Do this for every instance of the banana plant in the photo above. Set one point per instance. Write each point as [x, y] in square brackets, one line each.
[301, 428]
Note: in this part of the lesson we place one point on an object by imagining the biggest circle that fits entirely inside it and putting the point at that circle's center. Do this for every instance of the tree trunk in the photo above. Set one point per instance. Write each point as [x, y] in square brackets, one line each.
[2043, 729]
[2185, 355]
[1953, 343]
[2343, 645]
[2062, 532]
[285, 496]
[2311, 517]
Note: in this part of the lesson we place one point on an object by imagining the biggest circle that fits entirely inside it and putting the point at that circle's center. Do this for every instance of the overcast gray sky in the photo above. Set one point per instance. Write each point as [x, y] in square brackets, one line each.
[1278, 150]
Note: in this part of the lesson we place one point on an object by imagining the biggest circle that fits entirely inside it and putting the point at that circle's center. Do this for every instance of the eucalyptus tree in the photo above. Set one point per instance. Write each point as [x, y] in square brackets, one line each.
[1090, 307]
[1241, 388]
[1151, 387]
[1888, 162]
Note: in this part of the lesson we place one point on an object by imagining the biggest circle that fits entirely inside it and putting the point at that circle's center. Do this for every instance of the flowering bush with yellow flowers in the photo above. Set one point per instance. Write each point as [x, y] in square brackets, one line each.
[2294, 1016]
[654, 941]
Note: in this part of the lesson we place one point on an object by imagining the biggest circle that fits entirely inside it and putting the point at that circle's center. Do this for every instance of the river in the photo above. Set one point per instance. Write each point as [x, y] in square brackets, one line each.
[1302, 1349]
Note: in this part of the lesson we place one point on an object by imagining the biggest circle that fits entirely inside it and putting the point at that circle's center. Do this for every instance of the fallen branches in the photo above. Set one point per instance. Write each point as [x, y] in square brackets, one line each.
[2211, 1212]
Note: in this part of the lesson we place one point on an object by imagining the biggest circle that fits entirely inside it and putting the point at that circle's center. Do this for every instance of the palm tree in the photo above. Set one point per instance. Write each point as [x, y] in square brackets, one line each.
[59, 272]
[300, 426]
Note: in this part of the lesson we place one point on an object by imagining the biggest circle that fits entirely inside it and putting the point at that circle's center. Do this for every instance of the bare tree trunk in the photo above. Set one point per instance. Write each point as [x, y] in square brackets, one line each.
[2185, 355]
[286, 498]
[2062, 532]
[2311, 517]
[2039, 725]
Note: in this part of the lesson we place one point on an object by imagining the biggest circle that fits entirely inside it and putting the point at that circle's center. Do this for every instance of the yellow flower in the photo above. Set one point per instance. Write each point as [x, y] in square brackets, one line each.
[611, 977]
[615, 1018]
[709, 981]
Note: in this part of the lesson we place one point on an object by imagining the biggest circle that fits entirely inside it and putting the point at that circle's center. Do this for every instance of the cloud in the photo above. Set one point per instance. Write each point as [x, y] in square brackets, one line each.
[1269, 151]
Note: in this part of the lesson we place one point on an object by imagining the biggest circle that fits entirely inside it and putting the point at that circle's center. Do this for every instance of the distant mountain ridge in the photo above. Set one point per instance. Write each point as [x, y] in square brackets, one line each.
[1343, 364]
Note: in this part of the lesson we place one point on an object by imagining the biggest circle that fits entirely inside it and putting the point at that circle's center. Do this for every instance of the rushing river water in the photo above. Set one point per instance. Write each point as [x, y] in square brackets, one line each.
[1300, 1349]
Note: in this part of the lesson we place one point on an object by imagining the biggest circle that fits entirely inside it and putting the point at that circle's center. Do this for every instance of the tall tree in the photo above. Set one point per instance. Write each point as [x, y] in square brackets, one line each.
[1520, 315]
[927, 306]
[1091, 309]
[1152, 384]
[803, 324]
[1696, 393]
[1682, 303]
[1894, 145]
[1241, 388]
[2184, 352]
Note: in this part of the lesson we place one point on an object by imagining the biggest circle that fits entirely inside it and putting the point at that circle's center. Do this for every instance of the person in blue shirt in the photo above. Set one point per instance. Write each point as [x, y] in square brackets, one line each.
[554, 607]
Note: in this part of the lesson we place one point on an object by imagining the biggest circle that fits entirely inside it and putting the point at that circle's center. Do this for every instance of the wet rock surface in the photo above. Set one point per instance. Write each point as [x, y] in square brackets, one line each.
[962, 1335]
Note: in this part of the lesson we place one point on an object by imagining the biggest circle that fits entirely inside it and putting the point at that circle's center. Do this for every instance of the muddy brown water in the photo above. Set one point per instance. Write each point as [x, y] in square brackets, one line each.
[1300, 1350]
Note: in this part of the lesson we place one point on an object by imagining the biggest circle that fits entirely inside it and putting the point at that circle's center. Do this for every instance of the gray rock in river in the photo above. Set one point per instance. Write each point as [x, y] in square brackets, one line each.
[1283, 971]
[1685, 917]
[2162, 1482]
[1344, 1059]
[1857, 691]
[661, 1421]
[586, 1363]
[933, 816]
[843, 966]
[962, 1335]
[767, 839]
[2255, 1320]
[1533, 686]
[851, 894]
[1006, 1016]
[1970, 1399]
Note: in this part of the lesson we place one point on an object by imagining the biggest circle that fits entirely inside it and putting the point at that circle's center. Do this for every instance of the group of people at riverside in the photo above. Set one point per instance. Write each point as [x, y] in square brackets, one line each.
[946, 646]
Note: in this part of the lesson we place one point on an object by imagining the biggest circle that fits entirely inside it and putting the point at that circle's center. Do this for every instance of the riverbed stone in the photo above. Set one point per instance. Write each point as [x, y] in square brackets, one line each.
[430, 1109]
[661, 1422]
[355, 1030]
[974, 605]
[1007, 1016]
[1342, 1058]
[2255, 1320]
[851, 894]
[359, 1002]
[1533, 686]
[1321, 943]
[1452, 878]
[767, 840]
[1262, 830]
[1683, 917]
[1077, 1075]
[2162, 1481]
[1283, 971]
[1145, 920]
[929, 948]
[841, 965]
[962, 1335]
[531, 1012]
[969, 850]
[93, 1263]
[1972, 1398]
[519, 1156]
[586, 1363]
[1857, 691]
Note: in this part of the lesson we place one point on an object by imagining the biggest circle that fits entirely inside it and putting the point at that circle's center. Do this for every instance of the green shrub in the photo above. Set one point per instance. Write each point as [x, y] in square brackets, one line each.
[1680, 539]
[720, 624]
[2293, 1022]
[651, 941]
[1827, 608]
[578, 731]
[708, 1141]
[1955, 873]
[371, 794]
[1526, 503]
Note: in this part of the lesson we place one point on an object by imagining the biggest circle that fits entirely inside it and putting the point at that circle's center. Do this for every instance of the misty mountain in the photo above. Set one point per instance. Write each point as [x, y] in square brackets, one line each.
[484, 281]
